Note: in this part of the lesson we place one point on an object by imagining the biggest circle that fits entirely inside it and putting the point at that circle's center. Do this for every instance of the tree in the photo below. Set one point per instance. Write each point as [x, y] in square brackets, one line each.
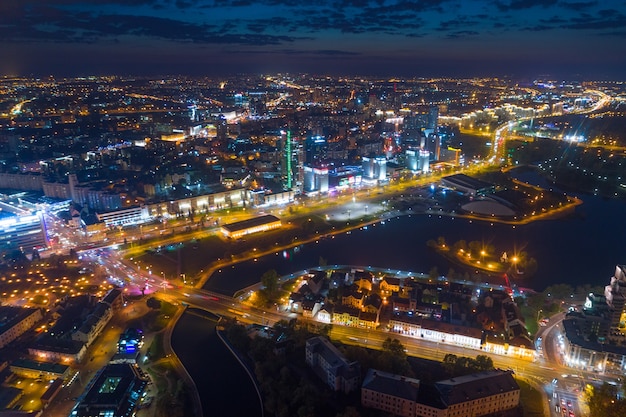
[395, 347]
[269, 280]
[449, 363]
[603, 401]
[484, 363]
[560, 291]
[459, 245]
[476, 247]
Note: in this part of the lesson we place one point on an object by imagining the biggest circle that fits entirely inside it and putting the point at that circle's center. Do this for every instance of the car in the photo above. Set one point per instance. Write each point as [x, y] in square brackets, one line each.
[563, 402]
[569, 403]
[571, 413]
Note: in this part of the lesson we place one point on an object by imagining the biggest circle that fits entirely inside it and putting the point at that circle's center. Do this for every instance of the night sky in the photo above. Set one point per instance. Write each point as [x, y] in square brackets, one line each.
[562, 38]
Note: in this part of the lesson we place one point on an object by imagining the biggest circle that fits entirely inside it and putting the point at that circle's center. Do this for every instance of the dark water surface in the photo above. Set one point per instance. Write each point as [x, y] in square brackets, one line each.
[224, 386]
[582, 248]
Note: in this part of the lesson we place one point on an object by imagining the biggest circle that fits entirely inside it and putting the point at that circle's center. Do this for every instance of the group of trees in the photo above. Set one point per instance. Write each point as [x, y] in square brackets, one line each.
[550, 301]
[459, 366]
[519, 263]
[270, 291]
[603, 401]
[287, 387]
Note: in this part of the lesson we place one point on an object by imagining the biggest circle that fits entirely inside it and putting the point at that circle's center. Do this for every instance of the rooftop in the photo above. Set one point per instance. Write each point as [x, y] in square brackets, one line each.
[114, 390]
[475, 386]
[248, 223]
[390, 384]
[55, 368]
[10, 316]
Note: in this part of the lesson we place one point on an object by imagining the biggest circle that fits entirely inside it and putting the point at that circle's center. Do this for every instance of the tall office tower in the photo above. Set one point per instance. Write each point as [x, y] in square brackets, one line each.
[433, 117]
[411, 159]
[423, 162]
[434, 145]
[287, 160]
[193, 112]
[73, 183]
[615, 294]
[315, 180]
[375, 168]
[315, 150]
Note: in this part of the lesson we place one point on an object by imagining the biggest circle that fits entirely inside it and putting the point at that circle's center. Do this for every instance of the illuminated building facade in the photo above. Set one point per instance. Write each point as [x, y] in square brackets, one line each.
[21, 229]
[51, 349]
[287, 160]
[615, 294]
[466, 337]
[124, 217]
[130, 341]
[375, 168]
[315, 180]
[417, 160]
[249, 226]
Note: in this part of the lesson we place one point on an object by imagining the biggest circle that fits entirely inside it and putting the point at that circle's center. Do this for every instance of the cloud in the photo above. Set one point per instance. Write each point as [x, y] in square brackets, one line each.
[461, 34]
[290, 51]
[606, 19]
[578, 5]
[456, 23]
[524, 4]
[52, 26]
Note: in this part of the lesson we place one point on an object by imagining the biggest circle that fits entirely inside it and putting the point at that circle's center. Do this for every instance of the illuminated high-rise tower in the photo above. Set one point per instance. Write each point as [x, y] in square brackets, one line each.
[287, 160]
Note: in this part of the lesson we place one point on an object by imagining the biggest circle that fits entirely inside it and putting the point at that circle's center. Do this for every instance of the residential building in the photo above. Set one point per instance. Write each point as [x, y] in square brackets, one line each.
[51, 349]
[331, 366]
[33, 369]
[390, 285]
[467, 396]
[94, 324]
[353, 299]
[391, 393]
[479, 394]
[615, 294]
[14, 321]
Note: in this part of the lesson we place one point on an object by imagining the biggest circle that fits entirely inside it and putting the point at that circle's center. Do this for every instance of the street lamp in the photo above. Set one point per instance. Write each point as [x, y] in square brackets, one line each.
[538, 313]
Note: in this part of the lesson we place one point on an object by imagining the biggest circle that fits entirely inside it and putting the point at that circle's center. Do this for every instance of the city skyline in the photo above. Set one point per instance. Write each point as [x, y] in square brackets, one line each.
[435, 37]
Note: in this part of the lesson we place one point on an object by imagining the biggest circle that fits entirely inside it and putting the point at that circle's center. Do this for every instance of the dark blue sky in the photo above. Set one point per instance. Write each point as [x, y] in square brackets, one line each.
[389, 37]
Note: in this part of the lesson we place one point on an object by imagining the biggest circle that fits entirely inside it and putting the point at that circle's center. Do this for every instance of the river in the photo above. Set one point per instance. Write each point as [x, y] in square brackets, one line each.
[582, 248]
[224, 386]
